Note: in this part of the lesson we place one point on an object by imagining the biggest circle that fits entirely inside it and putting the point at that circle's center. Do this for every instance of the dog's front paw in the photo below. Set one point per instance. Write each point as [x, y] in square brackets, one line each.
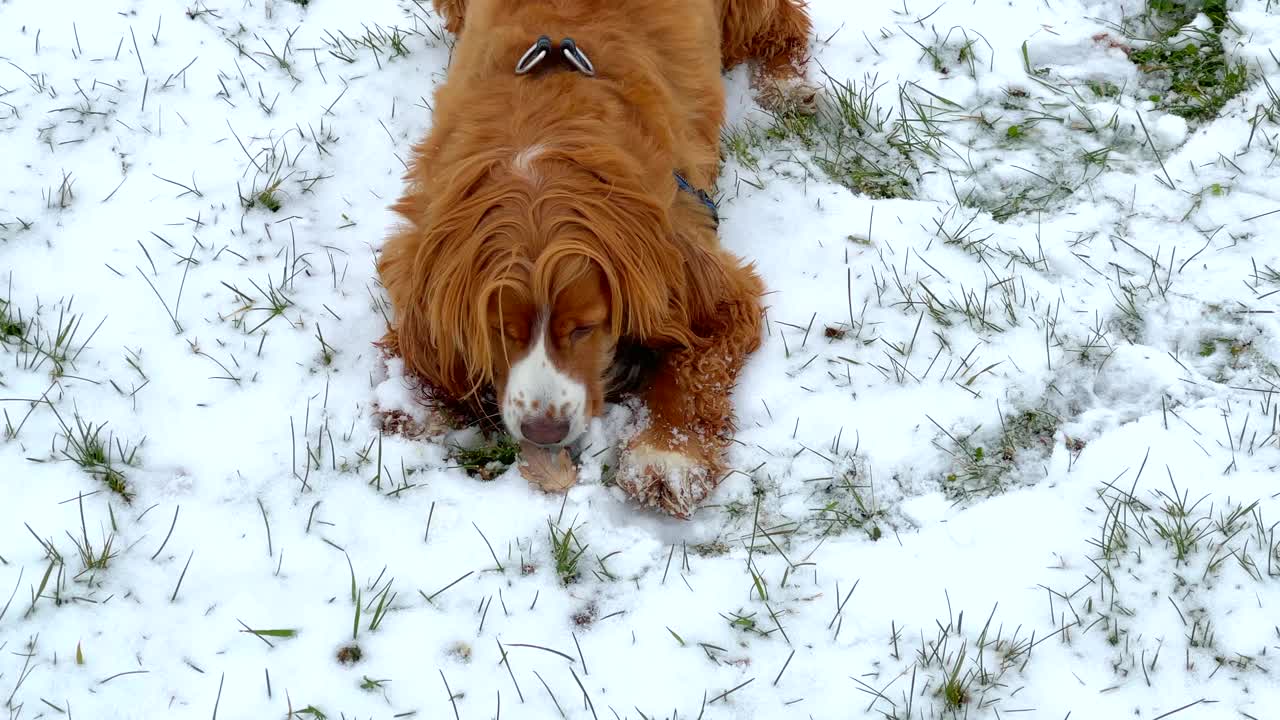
[788, 93]
[667, 479]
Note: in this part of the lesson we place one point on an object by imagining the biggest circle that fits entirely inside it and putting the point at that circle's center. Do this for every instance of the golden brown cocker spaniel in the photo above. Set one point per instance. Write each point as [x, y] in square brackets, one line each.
[555, 239]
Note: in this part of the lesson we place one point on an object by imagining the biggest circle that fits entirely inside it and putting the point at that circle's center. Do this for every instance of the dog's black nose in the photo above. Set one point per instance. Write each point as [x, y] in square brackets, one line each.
[545, 430]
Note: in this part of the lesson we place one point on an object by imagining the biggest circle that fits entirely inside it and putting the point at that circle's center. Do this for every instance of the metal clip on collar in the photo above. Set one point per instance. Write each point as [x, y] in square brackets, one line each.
[534, 55]
[576, 57]
[540, 49]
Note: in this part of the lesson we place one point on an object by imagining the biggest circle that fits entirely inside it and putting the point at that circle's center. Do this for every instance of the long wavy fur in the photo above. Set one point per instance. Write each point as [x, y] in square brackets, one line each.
[523, 181]
[487, 227]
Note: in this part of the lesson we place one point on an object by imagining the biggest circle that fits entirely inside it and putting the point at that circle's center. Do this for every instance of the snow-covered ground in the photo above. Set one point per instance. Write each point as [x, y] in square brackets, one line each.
[1010, 445]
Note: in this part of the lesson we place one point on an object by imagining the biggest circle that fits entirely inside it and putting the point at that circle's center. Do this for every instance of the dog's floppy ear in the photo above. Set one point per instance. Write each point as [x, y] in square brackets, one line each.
[465, 238]
[631, 241]
[667, 281]
[408, 335]
[429, 267]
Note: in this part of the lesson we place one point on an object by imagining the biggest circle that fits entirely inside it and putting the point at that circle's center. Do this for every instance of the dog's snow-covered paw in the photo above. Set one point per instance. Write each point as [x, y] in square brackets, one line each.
[786, 94]
[667, 479]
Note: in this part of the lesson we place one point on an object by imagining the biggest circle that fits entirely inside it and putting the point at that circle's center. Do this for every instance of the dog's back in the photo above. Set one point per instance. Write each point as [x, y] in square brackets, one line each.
[656, 63]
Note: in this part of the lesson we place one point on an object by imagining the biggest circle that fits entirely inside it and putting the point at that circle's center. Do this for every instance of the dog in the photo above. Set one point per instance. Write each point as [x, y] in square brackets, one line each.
[556, 236]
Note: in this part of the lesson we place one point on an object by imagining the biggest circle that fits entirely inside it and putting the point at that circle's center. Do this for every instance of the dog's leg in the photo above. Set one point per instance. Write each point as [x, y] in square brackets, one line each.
[453, 12]
[678, 458]
[775, 35]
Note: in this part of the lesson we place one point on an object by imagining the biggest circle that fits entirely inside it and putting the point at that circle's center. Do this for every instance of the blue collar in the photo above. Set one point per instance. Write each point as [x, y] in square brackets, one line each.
[702, 197]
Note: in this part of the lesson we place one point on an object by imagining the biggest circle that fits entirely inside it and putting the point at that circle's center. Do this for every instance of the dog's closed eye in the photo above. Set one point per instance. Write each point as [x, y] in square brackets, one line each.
[512, 331]
[581, 333]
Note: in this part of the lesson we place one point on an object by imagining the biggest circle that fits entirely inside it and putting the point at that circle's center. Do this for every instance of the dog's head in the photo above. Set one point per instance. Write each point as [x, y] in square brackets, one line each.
[532, 270]
[553, 342]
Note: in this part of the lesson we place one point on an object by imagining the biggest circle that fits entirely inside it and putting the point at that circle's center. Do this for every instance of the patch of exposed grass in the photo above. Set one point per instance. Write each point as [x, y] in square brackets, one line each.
[56, 563]
[566, 551]
[39, 341]
[92, 558]
[488, 460]
[849, 503]
[11, 323]
[1035, 191]
[327, 351]
[1215, 10]
[1197, 77]
[955, 50]
[1103, 88]
[1027, 430]
[369, 684]
[712, 548]
[1210, 544]
[1236, 349]
[272, 301]
[1200, 78]
[850, 138]
[85, 445]
[268, 199]
[792, 122]
[963, 673]
[742, 143]
[982, 468]
[382, 42]
[1229, 350]
[273, 166]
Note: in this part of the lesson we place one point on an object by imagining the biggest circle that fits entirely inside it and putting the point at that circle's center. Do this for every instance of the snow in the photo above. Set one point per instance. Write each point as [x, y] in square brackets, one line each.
[875, 503]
